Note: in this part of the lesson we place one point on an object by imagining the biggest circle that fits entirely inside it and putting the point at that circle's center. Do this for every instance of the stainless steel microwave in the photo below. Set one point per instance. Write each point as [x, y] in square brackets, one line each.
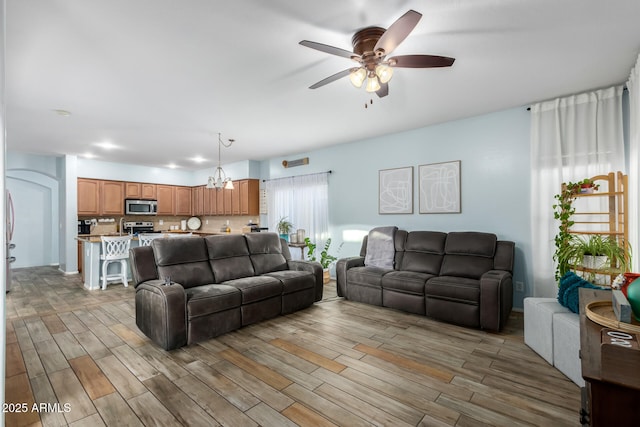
[140, 207]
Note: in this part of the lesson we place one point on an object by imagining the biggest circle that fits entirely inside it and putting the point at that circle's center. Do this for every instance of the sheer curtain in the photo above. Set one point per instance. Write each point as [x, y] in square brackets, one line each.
[633, 85]
[304, 201]
[572, 138]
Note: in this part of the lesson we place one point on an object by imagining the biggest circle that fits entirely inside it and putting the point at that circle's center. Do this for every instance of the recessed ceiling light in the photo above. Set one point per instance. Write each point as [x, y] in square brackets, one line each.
[172, 166]
[198, 159]
[106, 145]
[63, 113]
[89, 156]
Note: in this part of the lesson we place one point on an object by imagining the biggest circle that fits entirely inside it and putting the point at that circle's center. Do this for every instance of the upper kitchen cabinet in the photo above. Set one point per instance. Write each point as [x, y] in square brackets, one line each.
[183, 201]
[88, 196]
[198, 203]
[138, 190]
[97, 197]
[112, 197]
[249, 197]
[166, 199]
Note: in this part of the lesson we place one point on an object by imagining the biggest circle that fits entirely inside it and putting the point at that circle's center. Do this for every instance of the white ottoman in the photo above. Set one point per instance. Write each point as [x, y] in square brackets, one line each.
[538, 324]
[566, 346]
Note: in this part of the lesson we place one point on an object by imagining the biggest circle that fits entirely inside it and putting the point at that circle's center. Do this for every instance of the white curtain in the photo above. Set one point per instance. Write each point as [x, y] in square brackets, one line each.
[572, 138]
[633, 85]
[303, 200]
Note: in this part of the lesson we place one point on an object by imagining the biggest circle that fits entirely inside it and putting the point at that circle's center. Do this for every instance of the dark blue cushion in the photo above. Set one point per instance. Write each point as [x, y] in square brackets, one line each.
[568, 290]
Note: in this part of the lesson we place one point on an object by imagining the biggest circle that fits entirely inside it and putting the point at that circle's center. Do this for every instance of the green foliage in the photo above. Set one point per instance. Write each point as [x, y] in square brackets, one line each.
[563, 210]
[325, 258]
[284, 226]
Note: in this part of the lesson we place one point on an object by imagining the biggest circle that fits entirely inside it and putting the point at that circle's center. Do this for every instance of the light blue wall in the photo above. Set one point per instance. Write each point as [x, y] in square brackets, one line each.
[495, 174]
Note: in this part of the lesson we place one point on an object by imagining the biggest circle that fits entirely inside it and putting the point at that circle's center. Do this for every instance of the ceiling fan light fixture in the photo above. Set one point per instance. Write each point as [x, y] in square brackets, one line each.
[357, 77]
[384, 73]
[373, 85]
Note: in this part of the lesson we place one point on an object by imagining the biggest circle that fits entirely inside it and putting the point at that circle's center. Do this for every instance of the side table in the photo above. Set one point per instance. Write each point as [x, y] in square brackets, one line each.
[606, 399]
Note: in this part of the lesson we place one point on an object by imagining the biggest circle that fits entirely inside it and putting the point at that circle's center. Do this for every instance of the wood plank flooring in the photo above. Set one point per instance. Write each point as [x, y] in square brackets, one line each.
[79, 358]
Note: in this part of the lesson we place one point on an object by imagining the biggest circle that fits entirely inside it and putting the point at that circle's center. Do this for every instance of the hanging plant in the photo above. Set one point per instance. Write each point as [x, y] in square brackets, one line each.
[563, 210]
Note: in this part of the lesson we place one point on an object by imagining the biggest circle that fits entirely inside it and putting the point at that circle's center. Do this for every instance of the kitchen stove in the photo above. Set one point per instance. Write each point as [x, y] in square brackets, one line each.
[137, 227]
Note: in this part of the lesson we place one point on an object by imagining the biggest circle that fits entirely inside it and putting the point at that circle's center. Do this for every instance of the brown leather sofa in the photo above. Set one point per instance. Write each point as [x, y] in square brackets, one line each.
[218, 284]
[463, 278]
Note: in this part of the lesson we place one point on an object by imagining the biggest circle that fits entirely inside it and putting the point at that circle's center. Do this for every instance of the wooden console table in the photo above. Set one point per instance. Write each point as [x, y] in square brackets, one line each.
[611, 396]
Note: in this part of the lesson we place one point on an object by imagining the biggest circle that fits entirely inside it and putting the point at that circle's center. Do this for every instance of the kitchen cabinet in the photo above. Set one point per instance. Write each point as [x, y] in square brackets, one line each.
[227, 201]
[88, 196]
[140, 190]
[149, 191]
[249, 196]
[98, 197]
[166, 199]
[183, 201]
[111, 198]
[197, 200]
[219, 202]
[235, 198]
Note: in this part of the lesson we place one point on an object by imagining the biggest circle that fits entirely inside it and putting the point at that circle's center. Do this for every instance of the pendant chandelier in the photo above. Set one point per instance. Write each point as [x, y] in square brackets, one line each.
[219, 179]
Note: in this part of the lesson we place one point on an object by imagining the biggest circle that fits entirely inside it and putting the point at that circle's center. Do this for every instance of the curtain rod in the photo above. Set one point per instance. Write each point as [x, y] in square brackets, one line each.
[624, 89]
[294, 176]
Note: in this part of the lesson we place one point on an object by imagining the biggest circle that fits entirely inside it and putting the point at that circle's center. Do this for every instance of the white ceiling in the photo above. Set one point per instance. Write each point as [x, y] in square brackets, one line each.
[159, 78]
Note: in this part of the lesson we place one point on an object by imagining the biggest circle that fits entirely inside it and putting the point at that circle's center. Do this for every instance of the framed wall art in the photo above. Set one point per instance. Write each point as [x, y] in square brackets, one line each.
[395, 191]
[439, 187]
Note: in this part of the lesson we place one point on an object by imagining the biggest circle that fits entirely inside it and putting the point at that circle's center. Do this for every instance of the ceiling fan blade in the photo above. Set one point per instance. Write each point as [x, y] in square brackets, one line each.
[397, 32]
[421, 61]
[383, 91]
[329, 49]
[332, 78]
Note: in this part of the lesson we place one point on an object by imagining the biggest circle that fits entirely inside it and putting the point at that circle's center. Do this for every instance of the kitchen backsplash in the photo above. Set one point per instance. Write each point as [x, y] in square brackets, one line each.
[209, 223]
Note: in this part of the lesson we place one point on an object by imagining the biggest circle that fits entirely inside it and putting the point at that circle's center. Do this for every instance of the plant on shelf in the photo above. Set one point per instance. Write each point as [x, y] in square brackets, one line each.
[284, 228]
[587, 185]
[595, 253]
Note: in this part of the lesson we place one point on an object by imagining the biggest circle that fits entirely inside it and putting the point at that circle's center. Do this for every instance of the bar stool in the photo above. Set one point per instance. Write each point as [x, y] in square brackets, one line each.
[115, 249]
[146, 239]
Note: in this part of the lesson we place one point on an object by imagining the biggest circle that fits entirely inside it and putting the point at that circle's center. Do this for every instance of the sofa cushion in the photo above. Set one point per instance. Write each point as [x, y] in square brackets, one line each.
[371, 276]
[410, 282]
[266, 252]
[208, 299]
[294, 281]
[256, 288]
[471, 243]
[468, 254]
[453, 288]
[185, 260]
[229, 257]
[423, 251]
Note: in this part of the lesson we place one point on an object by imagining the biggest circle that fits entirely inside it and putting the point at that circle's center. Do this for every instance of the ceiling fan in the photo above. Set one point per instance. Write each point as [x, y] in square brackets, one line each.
[371, 45]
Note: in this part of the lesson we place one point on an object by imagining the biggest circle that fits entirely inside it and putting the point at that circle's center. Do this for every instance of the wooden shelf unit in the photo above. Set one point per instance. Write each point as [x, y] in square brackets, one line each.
[612, 222]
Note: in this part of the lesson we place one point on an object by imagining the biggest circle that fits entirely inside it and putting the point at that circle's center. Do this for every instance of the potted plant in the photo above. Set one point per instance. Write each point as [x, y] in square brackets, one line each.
[588, 186]
[284, 228]
[325, 258]
[598, 252]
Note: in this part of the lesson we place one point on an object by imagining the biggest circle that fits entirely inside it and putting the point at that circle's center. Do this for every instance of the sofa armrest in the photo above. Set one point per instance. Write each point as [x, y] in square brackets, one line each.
[312, 267]
[161, 313]
[342, 267]
[496, 299]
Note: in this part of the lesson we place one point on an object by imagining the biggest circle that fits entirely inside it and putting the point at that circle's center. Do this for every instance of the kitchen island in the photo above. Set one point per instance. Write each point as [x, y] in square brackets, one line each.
[91, 251]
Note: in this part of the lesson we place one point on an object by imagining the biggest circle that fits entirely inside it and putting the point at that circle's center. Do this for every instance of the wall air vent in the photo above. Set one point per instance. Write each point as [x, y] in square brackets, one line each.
[297, 162]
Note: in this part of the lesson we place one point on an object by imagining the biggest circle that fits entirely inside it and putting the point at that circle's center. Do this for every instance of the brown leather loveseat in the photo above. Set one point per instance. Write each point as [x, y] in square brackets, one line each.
[218, 284]
[458, 277]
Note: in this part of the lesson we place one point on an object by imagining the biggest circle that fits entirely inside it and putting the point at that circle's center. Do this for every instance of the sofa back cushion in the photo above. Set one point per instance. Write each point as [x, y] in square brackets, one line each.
[184, 259]
[265, 252]
[229, 257]
[468, 254]
[424, 251]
